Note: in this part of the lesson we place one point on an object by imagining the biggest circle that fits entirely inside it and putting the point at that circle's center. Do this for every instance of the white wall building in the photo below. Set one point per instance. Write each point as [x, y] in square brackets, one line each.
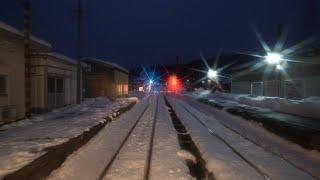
[12, 69]
[53, 81]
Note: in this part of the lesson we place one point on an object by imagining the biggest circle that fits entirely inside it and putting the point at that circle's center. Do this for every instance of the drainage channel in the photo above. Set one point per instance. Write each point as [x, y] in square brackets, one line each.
[197, 167]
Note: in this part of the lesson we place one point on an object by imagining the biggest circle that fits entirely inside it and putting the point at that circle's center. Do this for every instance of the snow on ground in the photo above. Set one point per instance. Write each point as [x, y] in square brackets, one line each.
[23, 141]
[89, 161]
[270, 164]
[132, 158]
[309, 107]
[168, 161]
[137, 94]
[293, 153]
[220, 159]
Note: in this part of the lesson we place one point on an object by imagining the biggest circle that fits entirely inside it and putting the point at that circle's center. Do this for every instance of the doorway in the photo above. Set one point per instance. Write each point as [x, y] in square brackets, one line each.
[55, 92]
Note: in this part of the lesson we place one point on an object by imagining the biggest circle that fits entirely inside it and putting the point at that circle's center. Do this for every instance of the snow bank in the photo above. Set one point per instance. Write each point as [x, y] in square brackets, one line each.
[309, 107]
[201, 93]
[24, 141]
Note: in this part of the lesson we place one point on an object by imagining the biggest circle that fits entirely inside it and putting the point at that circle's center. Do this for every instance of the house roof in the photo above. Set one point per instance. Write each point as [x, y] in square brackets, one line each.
[56, 55]
[108, 63]
[13, 30]
[59, 56]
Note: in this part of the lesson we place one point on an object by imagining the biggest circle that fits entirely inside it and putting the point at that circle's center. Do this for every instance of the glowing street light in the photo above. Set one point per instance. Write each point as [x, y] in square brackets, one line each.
[212, 74]
[150, 81]
[273, 58]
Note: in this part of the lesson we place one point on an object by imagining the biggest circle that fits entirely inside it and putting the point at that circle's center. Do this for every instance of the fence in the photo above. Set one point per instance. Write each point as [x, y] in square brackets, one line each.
[257, 89]
[272, 88]
[299, 88]
[241, 87]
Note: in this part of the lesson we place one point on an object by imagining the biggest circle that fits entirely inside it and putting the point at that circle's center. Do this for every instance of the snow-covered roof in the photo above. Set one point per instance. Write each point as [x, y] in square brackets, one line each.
[108, 63]
[13, 30]
[58, 56]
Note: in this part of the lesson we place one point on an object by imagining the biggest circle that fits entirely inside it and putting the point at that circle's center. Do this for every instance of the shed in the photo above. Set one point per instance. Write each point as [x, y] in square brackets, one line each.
[104, 78]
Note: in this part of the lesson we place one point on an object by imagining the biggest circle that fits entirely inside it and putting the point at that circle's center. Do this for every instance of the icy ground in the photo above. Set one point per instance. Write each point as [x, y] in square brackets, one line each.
[238, 149]
[309, 107]
[90, 161]
[24, 141]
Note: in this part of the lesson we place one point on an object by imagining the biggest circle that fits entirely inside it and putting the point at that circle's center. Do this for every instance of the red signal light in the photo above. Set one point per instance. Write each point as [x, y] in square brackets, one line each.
[174, 84]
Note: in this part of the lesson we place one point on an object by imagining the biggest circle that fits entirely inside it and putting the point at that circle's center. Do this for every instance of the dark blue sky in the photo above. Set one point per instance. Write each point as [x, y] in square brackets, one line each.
[132, 32]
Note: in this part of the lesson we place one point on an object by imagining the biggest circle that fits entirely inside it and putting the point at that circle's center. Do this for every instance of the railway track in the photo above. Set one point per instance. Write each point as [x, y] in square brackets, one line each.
[234, 149]
[253, 142]
[148, 159]
[225, 142]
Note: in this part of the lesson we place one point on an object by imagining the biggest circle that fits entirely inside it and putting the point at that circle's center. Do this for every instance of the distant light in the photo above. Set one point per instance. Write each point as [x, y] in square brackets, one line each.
[174, 84]
[273, 58]
[150, 81]
[212, 74]
[279, 67]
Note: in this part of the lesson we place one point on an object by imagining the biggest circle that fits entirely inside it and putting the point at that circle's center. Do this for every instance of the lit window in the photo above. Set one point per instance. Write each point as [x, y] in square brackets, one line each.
[3, 84]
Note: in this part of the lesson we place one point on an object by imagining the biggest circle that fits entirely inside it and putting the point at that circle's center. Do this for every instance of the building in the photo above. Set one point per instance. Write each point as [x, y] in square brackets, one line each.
[12, 69]
[53, 81]
[103, 78]
[53, 76]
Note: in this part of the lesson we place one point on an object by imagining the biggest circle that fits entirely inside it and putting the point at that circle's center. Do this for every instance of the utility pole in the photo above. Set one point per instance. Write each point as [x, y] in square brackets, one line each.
[279, 35]
[26, 33]
[79, 15]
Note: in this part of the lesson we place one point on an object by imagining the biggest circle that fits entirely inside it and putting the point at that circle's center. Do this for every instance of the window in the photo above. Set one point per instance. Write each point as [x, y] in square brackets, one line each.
[55, 85]
[59, 85]
[3, 84]
[51, 85]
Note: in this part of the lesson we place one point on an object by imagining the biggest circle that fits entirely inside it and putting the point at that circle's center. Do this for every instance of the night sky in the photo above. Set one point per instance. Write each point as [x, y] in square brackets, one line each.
[132, 32]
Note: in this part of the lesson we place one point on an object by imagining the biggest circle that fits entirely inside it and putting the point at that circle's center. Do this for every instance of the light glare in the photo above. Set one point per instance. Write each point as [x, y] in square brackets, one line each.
[279, 67]
[212, 74]
[273, 58]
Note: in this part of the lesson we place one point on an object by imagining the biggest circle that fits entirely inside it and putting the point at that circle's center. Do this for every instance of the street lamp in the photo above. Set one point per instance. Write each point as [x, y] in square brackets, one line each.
[273, 58]
[276, 59]
[212, 74]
